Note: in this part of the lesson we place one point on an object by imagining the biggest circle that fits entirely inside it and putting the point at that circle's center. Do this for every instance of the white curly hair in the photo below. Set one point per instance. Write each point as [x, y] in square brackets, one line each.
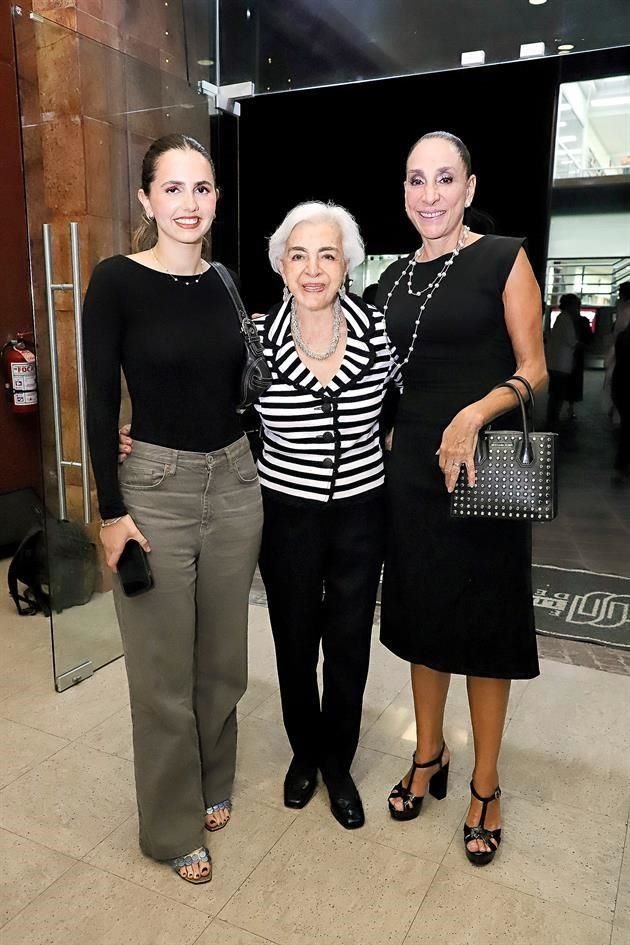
[315, 212]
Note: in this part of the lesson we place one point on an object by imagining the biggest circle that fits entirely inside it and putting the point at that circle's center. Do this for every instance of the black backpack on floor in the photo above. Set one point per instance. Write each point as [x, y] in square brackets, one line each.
[20, 511]
[57, 574]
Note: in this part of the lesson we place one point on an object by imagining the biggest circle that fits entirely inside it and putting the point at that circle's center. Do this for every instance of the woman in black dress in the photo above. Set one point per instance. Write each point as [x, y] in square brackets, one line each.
[464, 314]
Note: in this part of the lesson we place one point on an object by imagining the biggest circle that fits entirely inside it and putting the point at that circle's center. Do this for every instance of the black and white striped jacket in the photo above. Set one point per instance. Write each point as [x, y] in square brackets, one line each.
[319, 442]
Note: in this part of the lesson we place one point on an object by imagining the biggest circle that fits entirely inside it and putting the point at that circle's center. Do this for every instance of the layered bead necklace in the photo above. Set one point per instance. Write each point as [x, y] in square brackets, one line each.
[428, 290]
[336, 333]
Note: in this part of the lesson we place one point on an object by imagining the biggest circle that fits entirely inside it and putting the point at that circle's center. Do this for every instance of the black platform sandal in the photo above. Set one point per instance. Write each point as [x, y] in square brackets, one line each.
[491, 838]
[438, 786]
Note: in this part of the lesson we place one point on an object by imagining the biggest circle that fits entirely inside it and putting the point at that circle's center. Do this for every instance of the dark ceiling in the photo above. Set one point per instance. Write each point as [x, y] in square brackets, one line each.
[284, 44]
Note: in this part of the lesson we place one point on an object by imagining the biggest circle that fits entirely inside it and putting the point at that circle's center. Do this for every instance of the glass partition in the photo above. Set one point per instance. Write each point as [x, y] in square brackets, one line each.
[88, 114]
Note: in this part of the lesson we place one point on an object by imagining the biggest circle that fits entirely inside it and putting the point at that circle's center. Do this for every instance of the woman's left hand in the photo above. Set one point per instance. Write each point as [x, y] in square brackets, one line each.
[458, 446]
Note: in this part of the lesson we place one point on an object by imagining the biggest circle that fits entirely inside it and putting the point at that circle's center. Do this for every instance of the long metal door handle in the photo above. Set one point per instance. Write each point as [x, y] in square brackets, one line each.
[75, 255]
[75, 288]
[54, 368]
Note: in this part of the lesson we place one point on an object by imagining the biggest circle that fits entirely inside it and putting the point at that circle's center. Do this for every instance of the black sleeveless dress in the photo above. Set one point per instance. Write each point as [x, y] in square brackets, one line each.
[457, 595]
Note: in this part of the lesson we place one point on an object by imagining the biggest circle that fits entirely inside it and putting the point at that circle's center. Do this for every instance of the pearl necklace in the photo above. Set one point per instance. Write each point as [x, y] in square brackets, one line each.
[336, 333]
[430, 289]
[177, 278]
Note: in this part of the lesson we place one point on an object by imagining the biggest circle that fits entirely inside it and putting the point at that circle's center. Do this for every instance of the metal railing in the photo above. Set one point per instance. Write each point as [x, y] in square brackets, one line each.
[596, 281]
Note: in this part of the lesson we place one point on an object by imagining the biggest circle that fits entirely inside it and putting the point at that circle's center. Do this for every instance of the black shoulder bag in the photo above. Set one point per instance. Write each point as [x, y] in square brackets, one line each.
[256, 376]
[516, 472]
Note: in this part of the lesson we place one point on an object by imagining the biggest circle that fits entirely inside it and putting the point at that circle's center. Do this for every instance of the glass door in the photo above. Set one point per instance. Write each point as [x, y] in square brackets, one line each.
[88, 114]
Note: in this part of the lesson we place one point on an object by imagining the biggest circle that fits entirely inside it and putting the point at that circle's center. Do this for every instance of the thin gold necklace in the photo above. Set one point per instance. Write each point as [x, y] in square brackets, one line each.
[177, 278]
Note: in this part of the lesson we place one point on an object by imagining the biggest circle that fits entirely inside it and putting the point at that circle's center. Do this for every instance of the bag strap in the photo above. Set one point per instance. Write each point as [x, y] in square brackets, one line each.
[526, 453]
[248, 329]
[233, 292]
[34, 599]
[530, 391]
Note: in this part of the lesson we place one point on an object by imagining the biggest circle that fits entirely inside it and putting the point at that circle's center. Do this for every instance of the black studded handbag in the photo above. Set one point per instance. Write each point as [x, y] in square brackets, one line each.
[256, 376]
[515, 470]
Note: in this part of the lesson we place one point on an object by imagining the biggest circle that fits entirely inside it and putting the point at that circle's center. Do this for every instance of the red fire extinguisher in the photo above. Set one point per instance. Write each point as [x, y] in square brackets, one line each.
[17, 358]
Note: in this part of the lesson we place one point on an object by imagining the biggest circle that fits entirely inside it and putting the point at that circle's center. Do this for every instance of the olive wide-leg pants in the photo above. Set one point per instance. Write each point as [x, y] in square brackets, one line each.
[185, 640]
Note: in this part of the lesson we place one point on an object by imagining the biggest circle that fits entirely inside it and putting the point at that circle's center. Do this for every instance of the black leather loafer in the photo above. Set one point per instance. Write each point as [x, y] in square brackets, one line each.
[345, 804]
[299, 785]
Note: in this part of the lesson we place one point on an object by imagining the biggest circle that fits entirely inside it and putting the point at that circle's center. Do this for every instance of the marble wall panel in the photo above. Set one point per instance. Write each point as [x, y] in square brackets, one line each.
[103, 83]
[58, 71]
[58, 11]
[100, 167]
[64, 166]
[99, 30]
[28, 77]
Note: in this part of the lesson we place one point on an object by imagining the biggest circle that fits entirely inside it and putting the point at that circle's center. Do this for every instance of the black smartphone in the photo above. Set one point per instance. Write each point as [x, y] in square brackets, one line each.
[134, 570]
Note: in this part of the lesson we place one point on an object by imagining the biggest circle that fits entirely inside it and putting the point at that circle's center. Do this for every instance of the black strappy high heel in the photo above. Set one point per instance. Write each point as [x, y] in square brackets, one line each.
[438, 786]
[491, 838]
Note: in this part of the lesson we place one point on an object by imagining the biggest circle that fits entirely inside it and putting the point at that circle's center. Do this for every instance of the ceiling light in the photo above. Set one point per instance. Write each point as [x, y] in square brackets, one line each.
[565, 47]
[532, 49]
[537, 3]
[610, 102]
[205, 62]
[475, 58]
[564, 139]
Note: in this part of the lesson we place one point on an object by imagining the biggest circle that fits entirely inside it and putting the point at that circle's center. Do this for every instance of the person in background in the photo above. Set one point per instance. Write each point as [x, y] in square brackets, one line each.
[464, 314]
[188, 493]
[562, 346]
[369, 293]
[575, 392]
[622, 320]
[620, 392]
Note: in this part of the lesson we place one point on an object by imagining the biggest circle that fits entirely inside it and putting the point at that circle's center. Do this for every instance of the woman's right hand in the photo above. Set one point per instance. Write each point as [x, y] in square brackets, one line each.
[115, 537]
[125, 443]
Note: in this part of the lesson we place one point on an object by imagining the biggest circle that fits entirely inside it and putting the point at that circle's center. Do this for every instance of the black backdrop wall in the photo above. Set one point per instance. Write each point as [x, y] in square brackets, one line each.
[348, 144]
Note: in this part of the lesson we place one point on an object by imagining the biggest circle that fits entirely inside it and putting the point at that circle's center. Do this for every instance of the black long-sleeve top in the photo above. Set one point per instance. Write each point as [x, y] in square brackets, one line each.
[181, 351]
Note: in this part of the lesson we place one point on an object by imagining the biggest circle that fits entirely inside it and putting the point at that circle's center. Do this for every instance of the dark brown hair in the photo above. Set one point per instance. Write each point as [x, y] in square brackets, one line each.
[145, 235]
[457, 143]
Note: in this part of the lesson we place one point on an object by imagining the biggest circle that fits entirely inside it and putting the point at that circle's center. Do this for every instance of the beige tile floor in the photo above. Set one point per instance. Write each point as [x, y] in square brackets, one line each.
[72, 874]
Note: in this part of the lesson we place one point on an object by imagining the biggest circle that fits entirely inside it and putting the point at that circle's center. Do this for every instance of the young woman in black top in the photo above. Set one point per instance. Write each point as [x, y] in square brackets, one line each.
[189, 495]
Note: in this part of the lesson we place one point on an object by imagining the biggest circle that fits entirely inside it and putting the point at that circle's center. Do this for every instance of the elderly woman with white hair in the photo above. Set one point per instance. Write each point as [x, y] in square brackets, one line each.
[322, 475]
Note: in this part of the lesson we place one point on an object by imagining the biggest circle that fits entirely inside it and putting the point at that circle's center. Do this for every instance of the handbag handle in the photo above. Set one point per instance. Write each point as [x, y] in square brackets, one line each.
[530, 391]
[526, 452]
[247, 326]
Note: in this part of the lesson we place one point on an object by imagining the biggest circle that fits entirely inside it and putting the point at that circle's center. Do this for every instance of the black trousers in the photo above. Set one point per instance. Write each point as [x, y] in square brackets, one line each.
[622, 459]
[321, 564]
[559, 391]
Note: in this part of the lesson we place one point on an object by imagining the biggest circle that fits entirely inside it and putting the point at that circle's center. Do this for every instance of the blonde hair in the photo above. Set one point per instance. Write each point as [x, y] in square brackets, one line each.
[145, 234]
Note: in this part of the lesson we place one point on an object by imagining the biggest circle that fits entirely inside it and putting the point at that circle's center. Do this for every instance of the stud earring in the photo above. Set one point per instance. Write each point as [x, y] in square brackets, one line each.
[286, 295]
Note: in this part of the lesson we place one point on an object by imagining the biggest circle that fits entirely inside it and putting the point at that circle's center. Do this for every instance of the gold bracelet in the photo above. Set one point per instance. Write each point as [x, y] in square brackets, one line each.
[112, 521]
